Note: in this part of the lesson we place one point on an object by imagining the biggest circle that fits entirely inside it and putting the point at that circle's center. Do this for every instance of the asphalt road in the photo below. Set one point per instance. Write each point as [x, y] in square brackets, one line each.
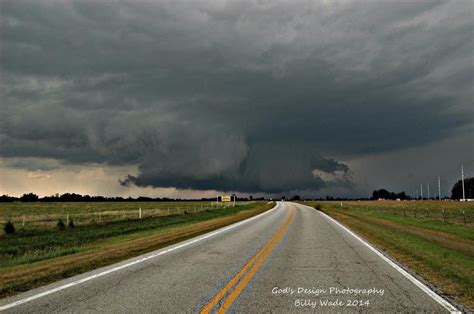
[262, 265]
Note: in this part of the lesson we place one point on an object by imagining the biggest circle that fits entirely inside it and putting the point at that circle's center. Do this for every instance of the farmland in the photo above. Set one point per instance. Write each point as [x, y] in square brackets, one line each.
[44, 215]
[435, 239]
[103, 233]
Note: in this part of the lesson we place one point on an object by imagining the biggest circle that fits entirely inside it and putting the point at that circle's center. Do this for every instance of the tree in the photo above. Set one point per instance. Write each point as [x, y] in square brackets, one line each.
[295, 198]
[9, 228]
[384, 194]
[6, 198]
[456, 191]
[30, 197]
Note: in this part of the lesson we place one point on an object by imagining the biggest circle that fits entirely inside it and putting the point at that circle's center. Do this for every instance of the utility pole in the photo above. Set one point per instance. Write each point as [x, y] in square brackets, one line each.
[421, 191]
[439, 188]
[462, 179]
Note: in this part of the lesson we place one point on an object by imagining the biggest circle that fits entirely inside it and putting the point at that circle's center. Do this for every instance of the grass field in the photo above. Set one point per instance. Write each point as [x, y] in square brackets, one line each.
[433, 238]
[39, 252]
[40, 215]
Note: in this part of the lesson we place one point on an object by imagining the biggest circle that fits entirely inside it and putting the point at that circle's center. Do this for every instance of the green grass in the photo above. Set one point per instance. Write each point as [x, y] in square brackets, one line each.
[454, 212]
[36, 256]
[17, 209]
[41, 215]
[425, 222]
[28, 246]
[441, 251]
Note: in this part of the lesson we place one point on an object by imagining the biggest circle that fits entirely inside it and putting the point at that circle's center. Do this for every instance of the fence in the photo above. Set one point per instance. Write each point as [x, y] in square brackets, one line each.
[447, 216]
[41, 221]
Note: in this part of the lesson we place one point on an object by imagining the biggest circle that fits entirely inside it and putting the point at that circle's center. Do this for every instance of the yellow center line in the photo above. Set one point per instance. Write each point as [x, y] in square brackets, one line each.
[253, 264]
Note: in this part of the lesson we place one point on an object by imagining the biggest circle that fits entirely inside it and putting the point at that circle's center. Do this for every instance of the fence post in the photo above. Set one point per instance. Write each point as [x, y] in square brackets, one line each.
[67, 220]
[427, 213]
[140, 212]
[464, 215]
[444, 218]
[23, 223]
[414, 211]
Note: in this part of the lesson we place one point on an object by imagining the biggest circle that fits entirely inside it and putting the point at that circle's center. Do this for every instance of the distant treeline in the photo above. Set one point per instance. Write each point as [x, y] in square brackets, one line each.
[384, 194]
[456, 193]
[73, 197]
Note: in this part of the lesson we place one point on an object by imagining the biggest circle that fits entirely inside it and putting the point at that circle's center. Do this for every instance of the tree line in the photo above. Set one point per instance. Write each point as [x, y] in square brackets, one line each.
[456, 193]
[73, 197]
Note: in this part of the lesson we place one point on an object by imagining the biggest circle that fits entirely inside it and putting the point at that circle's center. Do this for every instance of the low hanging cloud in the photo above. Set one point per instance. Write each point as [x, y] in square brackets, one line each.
[267, 168]
[237, 96]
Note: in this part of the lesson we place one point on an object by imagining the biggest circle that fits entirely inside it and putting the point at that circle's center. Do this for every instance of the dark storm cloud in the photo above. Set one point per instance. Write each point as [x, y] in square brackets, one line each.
[254, 97]
[266, 168]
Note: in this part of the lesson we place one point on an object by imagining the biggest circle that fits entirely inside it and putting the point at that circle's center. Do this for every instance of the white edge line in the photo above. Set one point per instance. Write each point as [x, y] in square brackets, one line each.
[448, 306]
[161, 252]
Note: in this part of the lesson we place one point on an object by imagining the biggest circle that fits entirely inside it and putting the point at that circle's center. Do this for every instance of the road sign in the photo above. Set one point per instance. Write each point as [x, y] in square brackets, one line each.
[225, 198]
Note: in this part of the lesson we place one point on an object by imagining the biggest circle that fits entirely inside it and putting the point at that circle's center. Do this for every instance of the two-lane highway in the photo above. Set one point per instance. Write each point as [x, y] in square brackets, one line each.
[290, 259]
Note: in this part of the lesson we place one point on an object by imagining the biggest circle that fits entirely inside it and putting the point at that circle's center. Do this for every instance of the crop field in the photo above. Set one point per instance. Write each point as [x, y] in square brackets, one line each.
[435, 239]
[40, 251]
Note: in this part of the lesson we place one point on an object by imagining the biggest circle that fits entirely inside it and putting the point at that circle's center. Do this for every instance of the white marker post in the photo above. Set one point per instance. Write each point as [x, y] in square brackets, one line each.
[462, 179]
[140, 212]
[439, 188]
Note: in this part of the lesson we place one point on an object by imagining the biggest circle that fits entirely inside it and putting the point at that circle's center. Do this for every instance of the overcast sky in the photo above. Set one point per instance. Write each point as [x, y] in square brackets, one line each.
[190, 98]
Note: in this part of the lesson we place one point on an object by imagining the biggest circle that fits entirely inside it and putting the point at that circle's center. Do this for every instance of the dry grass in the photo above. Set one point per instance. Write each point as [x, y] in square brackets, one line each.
[448, 240]
[44, 215]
